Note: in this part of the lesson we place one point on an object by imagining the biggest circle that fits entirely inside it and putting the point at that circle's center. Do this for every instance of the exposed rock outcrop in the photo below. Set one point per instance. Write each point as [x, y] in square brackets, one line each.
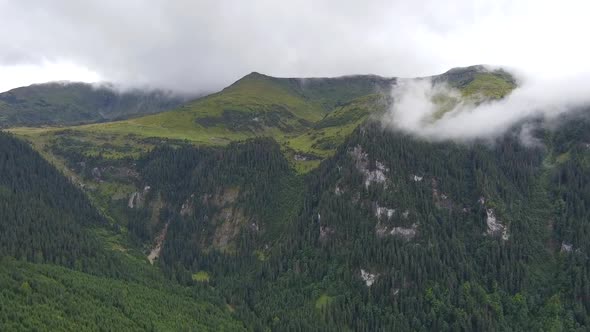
[368, 278]
[441, 200]
[381, 211]
[155, 252]
[187, 207]
[231, 220]
[133, 200]
[370, 176]
[407, 233]
[566, 247]
[495, 226]
[137, 199]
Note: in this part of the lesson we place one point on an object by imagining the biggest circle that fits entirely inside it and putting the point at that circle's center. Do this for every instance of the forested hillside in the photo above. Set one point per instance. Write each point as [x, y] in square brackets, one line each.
[414, 236]
[58, 270]
[43, 215]
[314, 217]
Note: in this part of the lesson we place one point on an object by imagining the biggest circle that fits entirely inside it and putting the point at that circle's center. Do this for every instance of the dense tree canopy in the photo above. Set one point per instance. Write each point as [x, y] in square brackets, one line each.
[392, 233]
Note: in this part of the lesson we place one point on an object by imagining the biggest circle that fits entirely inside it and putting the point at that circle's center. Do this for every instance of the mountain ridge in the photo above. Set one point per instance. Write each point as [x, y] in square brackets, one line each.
[309, 117]
[70, 103]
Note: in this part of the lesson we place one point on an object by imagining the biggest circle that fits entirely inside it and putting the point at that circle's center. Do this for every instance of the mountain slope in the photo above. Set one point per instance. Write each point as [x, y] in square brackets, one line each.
[75, 271]
[309, 117]
[255, 105]
[390, 233]
[75, 103]
[44, 217]
[384, 232]
[493, 83]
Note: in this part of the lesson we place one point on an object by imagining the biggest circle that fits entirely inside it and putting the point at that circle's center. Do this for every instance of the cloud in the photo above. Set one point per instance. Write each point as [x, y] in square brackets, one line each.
[21, 75]
[416, 108]
[192, 46]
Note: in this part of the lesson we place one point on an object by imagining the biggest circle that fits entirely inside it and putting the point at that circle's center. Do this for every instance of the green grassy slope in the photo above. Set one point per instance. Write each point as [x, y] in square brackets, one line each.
[253, 106]
[334, 92]
[473, 77]
[292, 111]
[326, 135]
[471, 85]
[308, 117]
[478, 82]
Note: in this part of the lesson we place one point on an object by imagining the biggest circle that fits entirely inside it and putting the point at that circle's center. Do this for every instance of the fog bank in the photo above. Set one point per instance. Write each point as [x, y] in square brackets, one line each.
[416, 109]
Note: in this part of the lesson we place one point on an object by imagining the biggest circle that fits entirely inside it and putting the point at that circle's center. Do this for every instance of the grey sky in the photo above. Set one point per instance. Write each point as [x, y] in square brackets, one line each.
[191, 46]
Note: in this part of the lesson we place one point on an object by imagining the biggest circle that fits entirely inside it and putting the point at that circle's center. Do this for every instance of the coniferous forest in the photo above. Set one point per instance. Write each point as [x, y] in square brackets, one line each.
[340, 247]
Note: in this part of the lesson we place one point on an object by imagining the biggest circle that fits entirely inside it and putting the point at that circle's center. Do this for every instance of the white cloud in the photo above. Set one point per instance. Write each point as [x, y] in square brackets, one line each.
[413, 109]
[205, 45]
[22, 75]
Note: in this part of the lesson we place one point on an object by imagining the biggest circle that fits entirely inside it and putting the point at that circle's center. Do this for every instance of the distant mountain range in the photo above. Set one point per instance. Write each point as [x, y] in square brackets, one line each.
[68, 103]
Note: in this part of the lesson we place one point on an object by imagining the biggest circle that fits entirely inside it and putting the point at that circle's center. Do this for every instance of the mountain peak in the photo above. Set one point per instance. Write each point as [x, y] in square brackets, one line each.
[482, 78]
[255, 75]
[475, 68]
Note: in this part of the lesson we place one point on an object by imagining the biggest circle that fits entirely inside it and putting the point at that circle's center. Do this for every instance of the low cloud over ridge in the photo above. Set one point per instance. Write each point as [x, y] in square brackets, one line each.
[414, 109]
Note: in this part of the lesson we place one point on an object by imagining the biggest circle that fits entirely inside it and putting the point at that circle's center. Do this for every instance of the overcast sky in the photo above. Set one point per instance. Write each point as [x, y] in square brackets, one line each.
[195, 46]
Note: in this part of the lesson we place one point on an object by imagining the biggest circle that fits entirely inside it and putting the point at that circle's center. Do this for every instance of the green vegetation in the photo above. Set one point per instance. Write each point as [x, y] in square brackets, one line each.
[46, 297]
[74, 103]
[488, 85]
[253, 106]
[73, 270]
[310, 118]
[445, 103]
[323, 301]
[248, 185]
[201, 276]
[310, 218]
[453, 273]
[327, 135]
[473, 85]
[43, 215]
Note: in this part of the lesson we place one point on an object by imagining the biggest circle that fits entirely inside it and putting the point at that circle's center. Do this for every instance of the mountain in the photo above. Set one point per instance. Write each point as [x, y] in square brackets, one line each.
[491, 82]
[390, 233]
[308, 117]
[283, 204]
[75, 103]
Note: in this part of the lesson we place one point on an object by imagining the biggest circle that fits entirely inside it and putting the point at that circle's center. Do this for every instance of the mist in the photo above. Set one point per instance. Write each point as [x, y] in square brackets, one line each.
[415, 111]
